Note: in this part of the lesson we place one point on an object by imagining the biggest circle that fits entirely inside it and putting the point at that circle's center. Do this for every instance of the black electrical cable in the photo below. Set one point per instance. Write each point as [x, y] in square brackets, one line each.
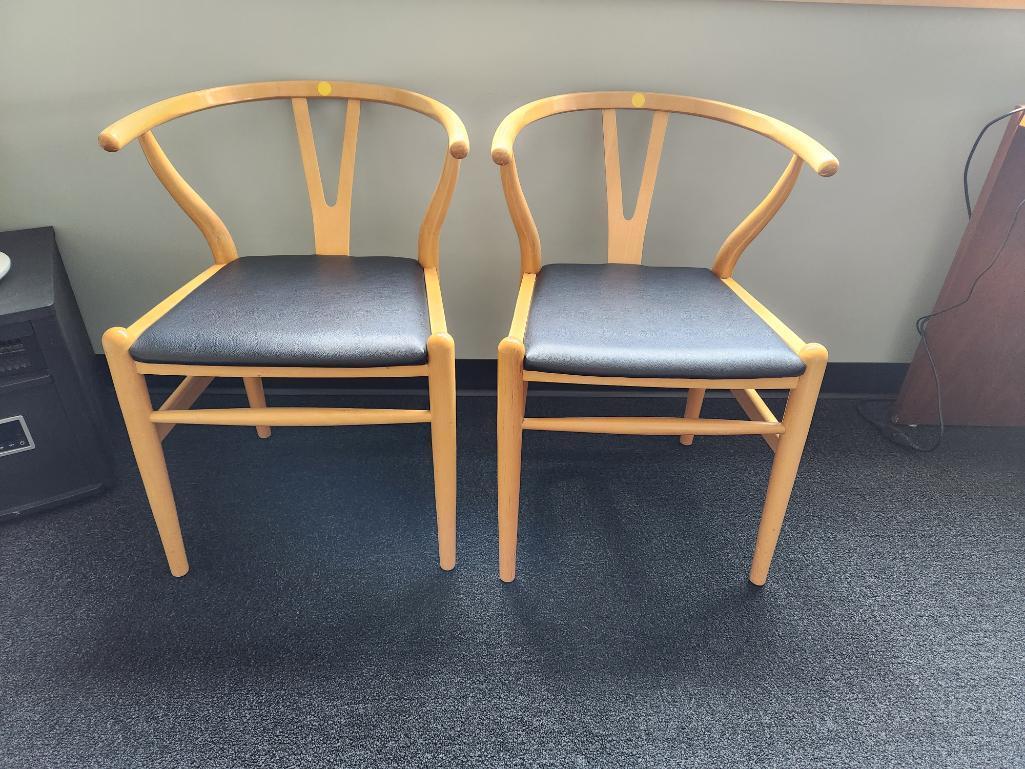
[888, 429]
[975, 146]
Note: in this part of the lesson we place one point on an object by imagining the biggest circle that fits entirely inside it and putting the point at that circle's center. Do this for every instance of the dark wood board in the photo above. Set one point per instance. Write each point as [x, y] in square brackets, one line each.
[979, 348]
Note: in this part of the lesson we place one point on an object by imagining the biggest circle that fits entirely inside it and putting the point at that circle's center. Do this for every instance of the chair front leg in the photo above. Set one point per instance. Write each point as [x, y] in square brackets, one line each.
[695, 397]
[511, 402]
[136, 407]
[797, 421]
[254, 392]
[441, 379]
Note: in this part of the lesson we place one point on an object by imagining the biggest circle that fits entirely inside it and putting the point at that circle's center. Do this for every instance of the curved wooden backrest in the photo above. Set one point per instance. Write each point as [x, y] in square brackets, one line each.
[330, 222]
[626, 236]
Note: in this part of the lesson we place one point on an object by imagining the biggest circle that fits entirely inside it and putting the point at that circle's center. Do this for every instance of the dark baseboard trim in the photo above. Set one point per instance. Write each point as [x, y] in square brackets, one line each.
[864, 378]
[476, 374]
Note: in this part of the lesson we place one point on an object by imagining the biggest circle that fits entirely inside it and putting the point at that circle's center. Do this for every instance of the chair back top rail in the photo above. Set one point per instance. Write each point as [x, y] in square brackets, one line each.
[130, 127]
[626, 235]
[810, 151]
[331, 223]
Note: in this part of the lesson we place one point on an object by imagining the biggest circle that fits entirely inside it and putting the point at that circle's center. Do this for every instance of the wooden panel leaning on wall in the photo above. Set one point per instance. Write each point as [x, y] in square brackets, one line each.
[979, 347]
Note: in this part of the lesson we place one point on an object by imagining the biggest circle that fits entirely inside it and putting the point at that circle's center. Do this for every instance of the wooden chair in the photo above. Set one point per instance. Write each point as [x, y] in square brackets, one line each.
[629, 325]
[326, 315]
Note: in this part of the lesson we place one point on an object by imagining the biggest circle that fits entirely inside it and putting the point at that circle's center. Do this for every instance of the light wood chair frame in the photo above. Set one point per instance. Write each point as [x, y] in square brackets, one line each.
[148, 427]
[785, 437]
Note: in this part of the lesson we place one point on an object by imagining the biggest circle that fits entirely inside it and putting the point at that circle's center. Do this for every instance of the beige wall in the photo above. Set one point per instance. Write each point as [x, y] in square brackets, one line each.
[897, 93]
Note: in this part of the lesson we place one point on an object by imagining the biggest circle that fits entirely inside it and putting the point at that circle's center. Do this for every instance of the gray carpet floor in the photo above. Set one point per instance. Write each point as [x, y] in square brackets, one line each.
[315, 628]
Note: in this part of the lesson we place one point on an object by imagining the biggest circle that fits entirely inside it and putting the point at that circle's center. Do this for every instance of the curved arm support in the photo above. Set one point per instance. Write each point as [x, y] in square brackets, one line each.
[131, 127]
[745, 232]
[429, 241]
[810, 151]
[222, 247]
[526, 229]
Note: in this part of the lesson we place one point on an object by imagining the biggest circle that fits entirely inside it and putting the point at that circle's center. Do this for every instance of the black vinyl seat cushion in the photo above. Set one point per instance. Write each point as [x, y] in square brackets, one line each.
[639, 321]
[329, 311]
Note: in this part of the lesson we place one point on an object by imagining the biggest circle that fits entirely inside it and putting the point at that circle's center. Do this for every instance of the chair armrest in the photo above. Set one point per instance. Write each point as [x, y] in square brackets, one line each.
[131, 127]
[817, 157]
[458, 140]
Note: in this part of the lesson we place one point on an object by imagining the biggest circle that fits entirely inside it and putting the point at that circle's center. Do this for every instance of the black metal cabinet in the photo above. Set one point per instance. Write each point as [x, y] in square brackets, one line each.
[53, 447]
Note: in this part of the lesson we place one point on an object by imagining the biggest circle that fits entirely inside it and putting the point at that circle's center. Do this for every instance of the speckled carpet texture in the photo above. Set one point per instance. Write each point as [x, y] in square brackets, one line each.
[316, 629]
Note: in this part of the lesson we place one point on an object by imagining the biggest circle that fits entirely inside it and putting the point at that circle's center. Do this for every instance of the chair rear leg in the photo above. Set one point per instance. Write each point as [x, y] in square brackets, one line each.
[254, 392]
[511, 401]
[695, 397]
[136, 407]
[441, 356]
[797, 421]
